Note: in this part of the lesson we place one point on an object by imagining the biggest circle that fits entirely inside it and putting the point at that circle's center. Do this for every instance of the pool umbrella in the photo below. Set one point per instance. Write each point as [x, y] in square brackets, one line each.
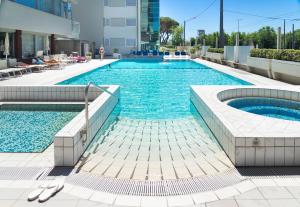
[6, 46]
[47, 47]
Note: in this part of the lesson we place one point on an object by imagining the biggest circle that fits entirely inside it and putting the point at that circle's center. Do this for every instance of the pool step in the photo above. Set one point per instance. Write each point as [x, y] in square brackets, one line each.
[155, 150]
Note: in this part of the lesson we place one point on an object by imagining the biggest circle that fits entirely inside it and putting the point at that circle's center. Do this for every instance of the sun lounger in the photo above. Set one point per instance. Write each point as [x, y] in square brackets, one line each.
[154, 53]
[177, 55]
[145, 53]
[138, 53]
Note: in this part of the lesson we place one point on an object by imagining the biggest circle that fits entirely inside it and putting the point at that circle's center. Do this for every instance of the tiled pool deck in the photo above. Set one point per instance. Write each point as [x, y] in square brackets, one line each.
[168, 149]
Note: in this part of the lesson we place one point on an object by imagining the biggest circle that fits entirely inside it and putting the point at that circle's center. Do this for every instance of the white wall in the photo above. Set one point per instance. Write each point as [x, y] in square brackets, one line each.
[126, 32]
[90, 15]
[15, 16]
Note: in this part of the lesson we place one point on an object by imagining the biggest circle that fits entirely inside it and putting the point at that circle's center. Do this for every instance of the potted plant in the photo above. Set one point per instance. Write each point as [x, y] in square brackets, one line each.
[116, 54]
[215, 54]
[88, 56]
[260, 61]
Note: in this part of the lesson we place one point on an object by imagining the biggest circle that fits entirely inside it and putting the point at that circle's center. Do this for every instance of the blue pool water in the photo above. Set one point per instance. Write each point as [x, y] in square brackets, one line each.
[270, 107]
[153, 89]
[31, 128]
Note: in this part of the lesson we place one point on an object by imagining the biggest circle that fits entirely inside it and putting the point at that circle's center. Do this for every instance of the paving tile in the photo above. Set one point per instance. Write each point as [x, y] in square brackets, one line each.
[286, 182]
[133, 201]
[179, 201]
[7, 203]
[226, 192]
[250, 195]
[295, 191]
[64, 203]
[154, 201]
[275, 193]
[283, 202]
[252, 203]
[204, 197]
[81, 192]
[244, 186]
[264, 182]
[87, 203]
[9, 193]
[223, 203]
[106, 198]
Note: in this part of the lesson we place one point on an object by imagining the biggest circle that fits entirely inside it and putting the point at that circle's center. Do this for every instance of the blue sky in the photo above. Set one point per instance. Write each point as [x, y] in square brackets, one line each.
[184, 9]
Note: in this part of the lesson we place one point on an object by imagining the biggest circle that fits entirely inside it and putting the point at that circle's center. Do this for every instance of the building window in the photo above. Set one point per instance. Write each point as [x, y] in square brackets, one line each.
[117, 42]
[131, 22]
[106, 22]
[29, 3]
[106, 43]
[39, 43]
[131, 42]
[117, 22]
[117, 3]
[105, 2]
[130, 2]
[28, 45]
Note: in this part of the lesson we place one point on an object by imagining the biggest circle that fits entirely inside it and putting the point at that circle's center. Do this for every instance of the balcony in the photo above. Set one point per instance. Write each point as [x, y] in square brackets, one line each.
[15, 16]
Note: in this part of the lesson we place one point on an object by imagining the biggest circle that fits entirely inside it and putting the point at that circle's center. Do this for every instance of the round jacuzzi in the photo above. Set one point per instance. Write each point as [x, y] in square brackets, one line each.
[270, 107]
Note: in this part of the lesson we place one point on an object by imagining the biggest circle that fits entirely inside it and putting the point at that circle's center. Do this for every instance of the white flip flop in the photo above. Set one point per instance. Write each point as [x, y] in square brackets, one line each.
[48, 193]
[36, 193]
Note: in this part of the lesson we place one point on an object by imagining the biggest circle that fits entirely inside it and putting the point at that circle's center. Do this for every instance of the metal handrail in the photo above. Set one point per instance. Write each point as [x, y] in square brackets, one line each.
[86, 98]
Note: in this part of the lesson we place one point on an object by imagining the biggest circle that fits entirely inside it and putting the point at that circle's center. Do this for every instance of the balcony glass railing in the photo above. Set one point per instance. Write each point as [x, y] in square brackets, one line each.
[57, 7]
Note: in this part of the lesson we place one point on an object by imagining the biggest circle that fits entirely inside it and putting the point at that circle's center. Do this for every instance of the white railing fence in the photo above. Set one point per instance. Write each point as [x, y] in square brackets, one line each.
[237, 54]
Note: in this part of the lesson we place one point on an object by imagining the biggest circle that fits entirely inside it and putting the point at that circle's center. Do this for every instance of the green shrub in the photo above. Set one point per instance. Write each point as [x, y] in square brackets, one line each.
[115, 50]
[216, 50]
[286, 55]
[193, 50]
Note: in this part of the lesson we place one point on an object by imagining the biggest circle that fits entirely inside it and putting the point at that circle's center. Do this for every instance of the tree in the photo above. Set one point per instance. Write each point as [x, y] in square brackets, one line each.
[193, 41]
[267, 38]
[290, 39]
[167, 26]
[177, 35]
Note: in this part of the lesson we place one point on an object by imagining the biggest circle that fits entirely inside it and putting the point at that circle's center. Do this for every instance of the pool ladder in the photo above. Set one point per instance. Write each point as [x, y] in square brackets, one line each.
[84, 132]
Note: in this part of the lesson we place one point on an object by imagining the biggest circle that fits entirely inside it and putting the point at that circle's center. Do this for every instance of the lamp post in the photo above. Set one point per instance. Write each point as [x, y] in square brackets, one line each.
[237, 40]
[184, 24]
[222, 39]
[293, 35]
[284, 38]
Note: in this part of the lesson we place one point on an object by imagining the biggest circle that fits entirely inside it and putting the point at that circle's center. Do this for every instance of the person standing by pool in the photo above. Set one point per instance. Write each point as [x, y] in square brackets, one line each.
[101, 53]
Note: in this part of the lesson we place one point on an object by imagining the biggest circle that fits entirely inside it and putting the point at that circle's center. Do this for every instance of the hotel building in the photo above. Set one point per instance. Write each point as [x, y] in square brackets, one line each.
[125, 25]
[84, 25]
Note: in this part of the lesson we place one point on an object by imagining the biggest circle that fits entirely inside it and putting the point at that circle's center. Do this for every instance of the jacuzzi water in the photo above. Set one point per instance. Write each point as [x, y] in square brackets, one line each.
[154, 89]
[270, 107]
[31, 128]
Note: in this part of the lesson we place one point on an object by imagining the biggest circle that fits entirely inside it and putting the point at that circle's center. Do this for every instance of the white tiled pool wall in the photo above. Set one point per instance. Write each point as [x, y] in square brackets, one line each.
[45, 93]
[252, 151]
[68, 144]
[223, 135]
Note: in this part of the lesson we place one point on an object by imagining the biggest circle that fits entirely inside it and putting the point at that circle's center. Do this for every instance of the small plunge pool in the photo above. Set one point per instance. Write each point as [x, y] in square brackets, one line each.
[30, 128]
[270, 107]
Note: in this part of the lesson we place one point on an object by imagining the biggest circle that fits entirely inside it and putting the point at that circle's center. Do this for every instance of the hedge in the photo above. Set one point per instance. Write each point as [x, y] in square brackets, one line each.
[286, 55]
[216, 50]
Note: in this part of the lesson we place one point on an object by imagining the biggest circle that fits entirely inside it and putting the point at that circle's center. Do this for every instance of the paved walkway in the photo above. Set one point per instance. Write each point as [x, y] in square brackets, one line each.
[51, 77]
[276, 192]
[155, 150]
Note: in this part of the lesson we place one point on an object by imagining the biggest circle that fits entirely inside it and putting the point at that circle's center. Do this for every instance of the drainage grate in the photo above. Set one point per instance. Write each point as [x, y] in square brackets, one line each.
[147, 188]
[20, 173]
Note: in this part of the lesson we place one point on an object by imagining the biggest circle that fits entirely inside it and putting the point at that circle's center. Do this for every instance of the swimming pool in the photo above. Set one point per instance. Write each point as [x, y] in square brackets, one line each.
[32, 127]
[270, 107]
[154, 89]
